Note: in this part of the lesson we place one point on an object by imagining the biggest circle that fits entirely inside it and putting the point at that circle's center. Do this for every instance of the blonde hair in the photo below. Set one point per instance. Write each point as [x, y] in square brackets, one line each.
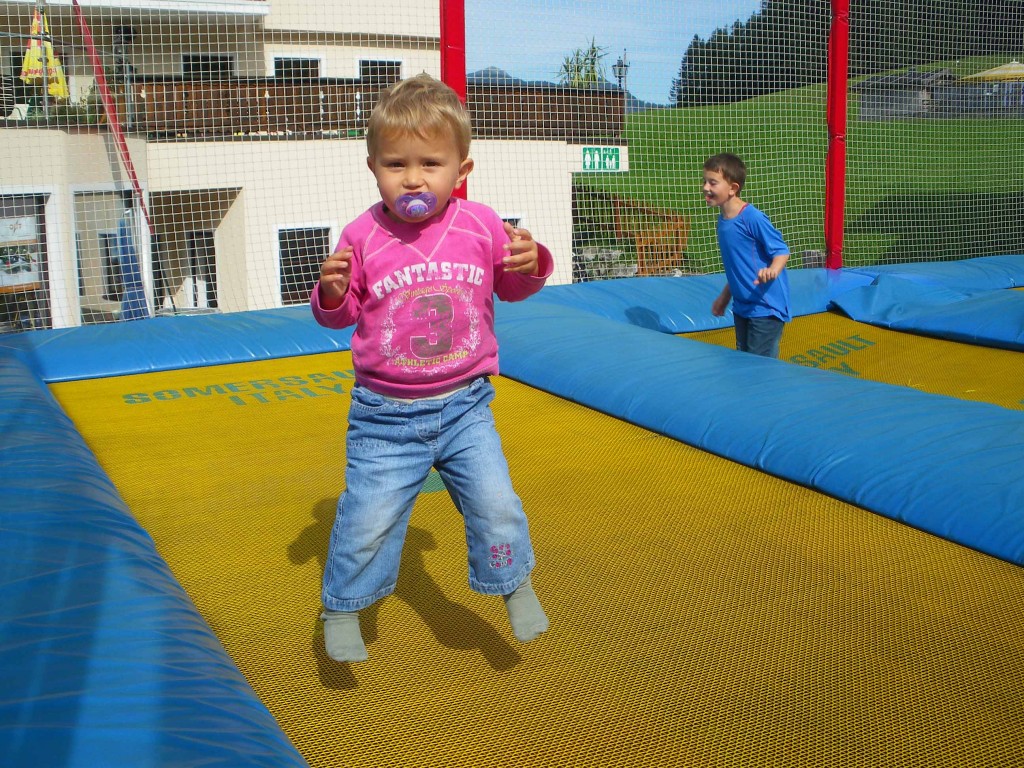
[419, 106]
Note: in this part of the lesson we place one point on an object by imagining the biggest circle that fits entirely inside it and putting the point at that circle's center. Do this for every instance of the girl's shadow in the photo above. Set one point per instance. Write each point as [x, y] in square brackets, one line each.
[454, 625]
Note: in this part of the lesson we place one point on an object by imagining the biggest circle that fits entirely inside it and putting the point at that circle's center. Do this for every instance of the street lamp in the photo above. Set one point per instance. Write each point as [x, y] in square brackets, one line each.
[122, 37]
[621, 69]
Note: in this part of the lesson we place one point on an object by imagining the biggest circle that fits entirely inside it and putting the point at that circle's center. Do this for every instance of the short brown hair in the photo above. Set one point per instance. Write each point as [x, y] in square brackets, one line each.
[730, 166]
[419, 106]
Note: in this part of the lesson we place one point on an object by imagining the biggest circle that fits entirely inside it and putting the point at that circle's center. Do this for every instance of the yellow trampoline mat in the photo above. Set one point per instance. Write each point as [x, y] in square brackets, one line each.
[702, 613]
[834, 342]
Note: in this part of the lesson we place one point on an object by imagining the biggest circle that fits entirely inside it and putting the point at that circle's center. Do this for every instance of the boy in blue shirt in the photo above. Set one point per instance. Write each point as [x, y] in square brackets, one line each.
[754, 256]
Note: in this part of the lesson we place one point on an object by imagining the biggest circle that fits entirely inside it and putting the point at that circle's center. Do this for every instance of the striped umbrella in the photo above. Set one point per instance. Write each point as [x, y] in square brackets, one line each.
[1014, 71]
[40, 55]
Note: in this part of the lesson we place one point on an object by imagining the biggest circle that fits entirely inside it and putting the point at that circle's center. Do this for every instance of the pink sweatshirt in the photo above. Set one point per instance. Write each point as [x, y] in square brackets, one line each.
[422, 298]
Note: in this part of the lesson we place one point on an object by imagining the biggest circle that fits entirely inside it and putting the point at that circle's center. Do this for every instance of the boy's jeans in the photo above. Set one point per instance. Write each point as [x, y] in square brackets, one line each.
[759, 335]
[391, 446]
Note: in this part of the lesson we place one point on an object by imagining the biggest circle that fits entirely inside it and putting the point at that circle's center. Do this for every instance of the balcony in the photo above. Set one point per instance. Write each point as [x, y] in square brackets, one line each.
[177, 108]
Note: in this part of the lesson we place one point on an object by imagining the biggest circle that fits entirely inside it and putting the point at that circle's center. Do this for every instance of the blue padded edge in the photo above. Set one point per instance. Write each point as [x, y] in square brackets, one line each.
[106, 662]
[966, 301]
[985, 273]
[683, 304]
[104, 658]
[946, 466]
[172, 343]
[993, 318]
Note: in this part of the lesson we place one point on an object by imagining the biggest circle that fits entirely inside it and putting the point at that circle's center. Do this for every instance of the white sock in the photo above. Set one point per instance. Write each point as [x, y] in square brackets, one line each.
[524, 612]
[342, 637]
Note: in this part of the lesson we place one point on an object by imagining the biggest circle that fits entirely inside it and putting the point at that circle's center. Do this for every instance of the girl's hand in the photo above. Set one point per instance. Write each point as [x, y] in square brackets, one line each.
[523, 256]
[335, 276]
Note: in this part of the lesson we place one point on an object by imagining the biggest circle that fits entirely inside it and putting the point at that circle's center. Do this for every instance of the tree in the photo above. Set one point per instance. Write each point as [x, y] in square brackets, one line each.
[583, 67]
[785, 44]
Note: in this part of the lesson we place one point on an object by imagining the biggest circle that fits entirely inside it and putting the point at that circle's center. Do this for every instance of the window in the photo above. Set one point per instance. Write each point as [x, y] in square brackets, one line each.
[163, 293]
[24, 302]
[78, 257]
[208, 66]
[18, 90]
[113, 280]
[302, 252]
[380, 72]
[296, 69]
[201, 281]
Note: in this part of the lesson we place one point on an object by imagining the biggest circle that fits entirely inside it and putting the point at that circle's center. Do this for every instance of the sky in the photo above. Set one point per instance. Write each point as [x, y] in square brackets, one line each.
[529, 39]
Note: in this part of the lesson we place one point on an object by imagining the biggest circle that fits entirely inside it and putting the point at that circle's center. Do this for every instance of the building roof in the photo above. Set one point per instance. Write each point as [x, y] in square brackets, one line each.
[911, 80]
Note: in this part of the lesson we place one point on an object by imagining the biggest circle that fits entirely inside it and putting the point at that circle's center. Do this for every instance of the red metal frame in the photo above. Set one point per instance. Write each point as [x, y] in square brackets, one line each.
[111, 112]
[453, 54]
[835, 116]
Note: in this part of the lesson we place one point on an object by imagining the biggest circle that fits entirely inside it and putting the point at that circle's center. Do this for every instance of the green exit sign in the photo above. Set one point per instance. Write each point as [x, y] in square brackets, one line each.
[601, 159]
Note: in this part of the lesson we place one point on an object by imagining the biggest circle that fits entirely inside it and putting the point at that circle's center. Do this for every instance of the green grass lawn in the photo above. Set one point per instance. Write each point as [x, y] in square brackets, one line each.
[916, 188]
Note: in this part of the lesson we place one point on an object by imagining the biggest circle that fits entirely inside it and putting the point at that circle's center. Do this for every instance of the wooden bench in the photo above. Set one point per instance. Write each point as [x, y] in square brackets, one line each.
[660, 235]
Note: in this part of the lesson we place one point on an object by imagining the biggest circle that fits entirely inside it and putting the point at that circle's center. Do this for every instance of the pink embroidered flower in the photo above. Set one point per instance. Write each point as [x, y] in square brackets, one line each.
[501, 555]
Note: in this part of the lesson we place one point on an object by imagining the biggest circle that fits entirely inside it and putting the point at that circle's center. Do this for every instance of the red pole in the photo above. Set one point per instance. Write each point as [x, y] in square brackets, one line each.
[835, 117]
[111, 112]
[453, 45]
[453, 53]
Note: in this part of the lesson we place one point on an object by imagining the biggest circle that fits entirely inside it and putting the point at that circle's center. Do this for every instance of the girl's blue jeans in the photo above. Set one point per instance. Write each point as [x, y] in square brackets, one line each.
[391, 446]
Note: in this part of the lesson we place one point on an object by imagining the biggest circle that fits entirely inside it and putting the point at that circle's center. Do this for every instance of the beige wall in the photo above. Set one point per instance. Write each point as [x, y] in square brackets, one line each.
[530, 180]
[326, 184]
[95, 214]
[396, 17]
[159, 48]
[342, 60]
[176, 214]
[58, 166]
[340, 32]
[230, 242]
[286, 184]
[246, 191]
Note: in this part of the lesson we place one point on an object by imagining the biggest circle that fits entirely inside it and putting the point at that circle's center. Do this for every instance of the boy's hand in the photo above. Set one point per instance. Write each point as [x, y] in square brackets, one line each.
[335, 275]
[719, 305]
[721, 302]
[522, 251]
[773, 270]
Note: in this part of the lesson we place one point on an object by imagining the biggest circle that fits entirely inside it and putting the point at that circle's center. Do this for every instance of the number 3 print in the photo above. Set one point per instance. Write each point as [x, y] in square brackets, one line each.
[437, 311]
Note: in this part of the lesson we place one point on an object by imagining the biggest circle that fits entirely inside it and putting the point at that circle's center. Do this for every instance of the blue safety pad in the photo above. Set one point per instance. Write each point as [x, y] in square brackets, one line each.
[947, 466]
[104, 659]
[966, 301]
[683, 304]
[985, 273]
[173, 343]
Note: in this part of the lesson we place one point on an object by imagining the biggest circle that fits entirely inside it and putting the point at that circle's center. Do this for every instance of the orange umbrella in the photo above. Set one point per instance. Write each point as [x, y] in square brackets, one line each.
[39, 55]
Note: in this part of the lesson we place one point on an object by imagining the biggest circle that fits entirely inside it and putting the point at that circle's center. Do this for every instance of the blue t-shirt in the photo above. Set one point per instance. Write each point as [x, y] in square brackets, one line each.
[749, 242]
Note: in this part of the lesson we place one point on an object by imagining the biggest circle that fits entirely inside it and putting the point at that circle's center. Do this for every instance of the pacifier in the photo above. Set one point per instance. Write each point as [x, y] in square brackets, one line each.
[417, 205]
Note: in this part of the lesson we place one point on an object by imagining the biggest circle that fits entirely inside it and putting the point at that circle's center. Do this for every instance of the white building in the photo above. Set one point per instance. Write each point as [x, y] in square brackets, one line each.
[242, 123]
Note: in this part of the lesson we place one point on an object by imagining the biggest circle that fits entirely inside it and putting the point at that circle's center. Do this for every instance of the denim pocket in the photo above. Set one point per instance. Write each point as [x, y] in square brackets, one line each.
[367, 399]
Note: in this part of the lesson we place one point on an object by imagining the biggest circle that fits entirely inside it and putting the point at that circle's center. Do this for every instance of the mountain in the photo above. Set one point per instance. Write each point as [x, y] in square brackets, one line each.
[492, 76]
[497, 76]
